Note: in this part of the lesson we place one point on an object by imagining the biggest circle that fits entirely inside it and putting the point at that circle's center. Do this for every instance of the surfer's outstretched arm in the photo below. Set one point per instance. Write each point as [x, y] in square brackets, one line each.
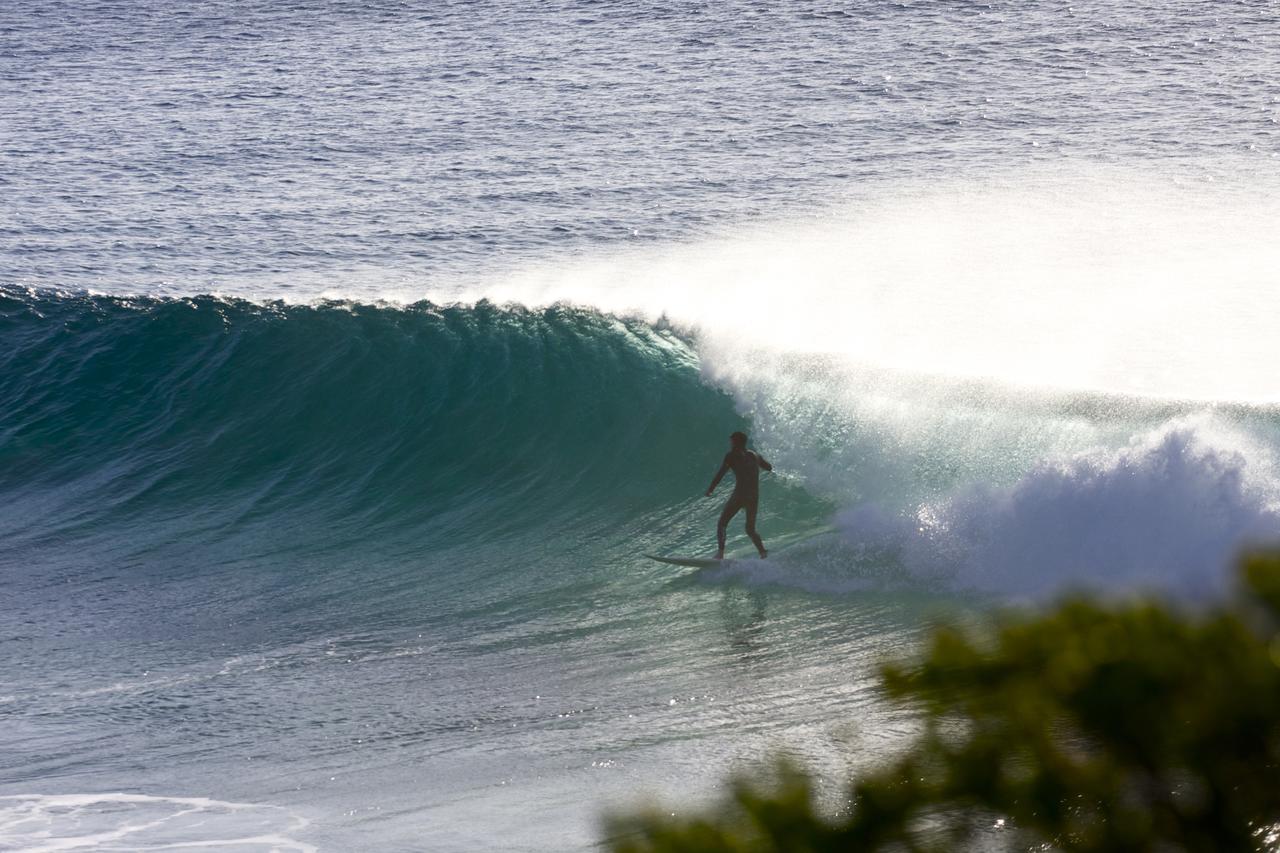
[764, 463]
[724, 469]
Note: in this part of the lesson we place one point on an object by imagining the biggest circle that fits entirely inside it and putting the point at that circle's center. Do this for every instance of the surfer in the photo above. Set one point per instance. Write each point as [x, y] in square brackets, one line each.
[746, 466]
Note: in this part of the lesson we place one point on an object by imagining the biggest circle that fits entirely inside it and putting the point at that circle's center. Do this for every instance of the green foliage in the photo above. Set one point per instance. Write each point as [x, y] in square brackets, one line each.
[1088, 728]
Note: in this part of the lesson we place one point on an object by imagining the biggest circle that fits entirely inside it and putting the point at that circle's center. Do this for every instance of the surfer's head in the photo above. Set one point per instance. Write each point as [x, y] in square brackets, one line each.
[738, 440]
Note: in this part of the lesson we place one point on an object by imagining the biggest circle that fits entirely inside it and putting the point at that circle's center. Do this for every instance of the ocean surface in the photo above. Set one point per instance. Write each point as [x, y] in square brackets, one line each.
[352, 355]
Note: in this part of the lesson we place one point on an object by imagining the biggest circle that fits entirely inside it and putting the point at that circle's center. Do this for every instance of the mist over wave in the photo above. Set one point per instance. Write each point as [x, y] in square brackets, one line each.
[1103, 279]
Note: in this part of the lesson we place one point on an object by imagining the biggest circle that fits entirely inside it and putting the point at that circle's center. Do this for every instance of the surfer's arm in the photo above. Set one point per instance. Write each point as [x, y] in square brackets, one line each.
[764, 463]
[724, 469]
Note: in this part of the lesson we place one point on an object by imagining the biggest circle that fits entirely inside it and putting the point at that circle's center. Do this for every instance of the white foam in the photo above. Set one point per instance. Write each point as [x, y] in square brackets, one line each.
[42, 823]
[1166, 513]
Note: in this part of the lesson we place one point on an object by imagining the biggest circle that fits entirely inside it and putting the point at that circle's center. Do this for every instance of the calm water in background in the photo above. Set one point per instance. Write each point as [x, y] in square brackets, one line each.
[990, 283]
[246, 145]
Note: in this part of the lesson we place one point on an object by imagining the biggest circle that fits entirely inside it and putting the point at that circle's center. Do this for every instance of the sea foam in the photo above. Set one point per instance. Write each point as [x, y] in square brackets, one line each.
[1167, 513]
[39, 823]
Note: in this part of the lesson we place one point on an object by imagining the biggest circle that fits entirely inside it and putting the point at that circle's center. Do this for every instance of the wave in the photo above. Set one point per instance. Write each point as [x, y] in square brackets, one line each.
[205, 417]
[207, 430]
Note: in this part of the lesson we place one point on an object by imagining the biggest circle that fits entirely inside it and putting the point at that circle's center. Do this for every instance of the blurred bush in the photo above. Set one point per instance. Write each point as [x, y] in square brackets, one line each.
[1091, 727]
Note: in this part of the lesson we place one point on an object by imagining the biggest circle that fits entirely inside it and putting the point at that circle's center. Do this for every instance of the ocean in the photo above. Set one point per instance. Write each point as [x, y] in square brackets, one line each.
[353, 356]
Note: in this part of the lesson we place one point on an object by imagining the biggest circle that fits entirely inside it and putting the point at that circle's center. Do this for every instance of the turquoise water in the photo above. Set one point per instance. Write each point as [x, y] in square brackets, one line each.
[351, 355]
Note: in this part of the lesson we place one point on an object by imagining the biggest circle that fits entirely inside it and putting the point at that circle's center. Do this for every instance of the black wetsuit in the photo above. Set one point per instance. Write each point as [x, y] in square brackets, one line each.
[746, 467]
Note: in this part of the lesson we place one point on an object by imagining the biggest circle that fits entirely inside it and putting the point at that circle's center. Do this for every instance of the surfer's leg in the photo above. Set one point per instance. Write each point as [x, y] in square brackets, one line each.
[752, 506]
[731, 508]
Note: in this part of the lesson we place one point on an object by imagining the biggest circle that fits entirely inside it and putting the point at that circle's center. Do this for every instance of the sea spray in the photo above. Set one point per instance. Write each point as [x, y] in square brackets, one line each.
[1167, 514]
[1103, 279]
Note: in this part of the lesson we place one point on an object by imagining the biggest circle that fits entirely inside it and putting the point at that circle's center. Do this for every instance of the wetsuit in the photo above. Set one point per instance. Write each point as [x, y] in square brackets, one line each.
[746, 467]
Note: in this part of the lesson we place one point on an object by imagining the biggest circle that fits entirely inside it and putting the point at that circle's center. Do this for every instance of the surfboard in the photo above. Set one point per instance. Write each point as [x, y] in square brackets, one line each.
[692, 562]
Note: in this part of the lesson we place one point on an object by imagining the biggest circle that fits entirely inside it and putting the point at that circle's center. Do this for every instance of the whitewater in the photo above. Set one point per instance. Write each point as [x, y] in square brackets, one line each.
[351, 356]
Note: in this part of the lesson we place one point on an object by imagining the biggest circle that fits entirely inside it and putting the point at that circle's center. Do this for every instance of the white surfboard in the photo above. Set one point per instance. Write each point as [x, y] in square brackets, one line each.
[692, 562]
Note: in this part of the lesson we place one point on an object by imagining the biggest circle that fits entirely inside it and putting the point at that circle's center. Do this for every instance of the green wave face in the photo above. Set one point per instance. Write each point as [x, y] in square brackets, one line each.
[136, 430]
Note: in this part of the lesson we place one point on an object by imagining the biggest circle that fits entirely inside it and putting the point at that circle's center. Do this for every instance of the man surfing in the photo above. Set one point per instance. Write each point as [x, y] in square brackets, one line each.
[746, 466]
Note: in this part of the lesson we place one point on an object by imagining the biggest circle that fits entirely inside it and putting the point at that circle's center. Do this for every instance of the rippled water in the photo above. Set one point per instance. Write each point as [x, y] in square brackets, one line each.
[330, 146]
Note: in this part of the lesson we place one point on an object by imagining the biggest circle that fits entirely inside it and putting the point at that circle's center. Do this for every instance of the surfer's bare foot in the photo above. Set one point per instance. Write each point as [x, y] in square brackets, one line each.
[763, 553]
[719, 555]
